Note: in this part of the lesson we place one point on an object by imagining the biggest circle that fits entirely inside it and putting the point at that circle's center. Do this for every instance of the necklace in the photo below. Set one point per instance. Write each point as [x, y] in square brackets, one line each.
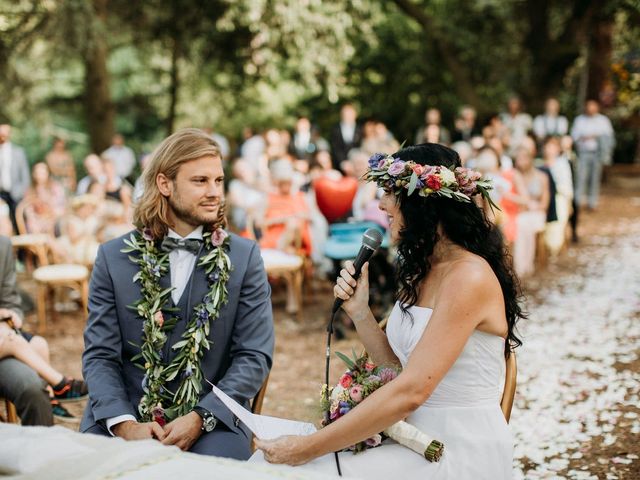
[158, 403]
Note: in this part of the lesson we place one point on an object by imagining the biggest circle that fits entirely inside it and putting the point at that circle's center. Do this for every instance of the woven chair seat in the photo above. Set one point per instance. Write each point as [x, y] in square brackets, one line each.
[61, 273]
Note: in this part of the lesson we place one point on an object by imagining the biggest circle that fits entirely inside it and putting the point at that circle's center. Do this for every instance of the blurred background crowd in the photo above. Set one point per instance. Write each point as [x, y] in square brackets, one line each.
[285, 187]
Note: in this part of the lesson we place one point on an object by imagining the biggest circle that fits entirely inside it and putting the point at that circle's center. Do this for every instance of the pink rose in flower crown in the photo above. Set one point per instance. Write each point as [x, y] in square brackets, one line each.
[433, 182]
[396, 168]
[159, 318]
[356, 393]
[417, 169]
[346, 380]
[218, 236]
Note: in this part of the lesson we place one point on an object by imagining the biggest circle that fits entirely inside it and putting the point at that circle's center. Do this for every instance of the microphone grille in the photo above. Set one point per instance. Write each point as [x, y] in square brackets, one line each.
[372, 238]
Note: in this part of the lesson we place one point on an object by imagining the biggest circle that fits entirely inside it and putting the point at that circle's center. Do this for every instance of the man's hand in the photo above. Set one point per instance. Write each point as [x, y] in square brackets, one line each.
[15, 318]
[183, 431]
[132, 430]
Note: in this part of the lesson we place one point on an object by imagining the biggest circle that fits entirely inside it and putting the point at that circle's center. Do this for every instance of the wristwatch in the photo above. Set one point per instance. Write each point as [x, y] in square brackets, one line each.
[209, 421]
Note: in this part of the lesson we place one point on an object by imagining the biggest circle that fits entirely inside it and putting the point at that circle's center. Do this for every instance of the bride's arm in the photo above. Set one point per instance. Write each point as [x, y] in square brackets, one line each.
[453, 320]
[356, 305]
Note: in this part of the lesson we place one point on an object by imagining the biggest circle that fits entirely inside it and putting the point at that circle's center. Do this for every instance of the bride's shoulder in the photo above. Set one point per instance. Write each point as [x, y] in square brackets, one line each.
[472, 272]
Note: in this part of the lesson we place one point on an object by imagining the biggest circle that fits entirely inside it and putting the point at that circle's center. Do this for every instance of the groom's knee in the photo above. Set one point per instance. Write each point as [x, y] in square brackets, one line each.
[223, 443]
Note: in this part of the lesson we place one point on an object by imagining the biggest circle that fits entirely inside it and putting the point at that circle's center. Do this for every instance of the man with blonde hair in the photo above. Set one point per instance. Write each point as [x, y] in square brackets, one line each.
[173, 305]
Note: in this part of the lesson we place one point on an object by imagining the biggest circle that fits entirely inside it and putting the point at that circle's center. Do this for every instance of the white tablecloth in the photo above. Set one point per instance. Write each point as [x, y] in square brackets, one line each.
[59, 453]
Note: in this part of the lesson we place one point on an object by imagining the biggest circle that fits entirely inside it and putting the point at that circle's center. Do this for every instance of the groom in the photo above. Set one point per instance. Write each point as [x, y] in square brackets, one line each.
[147, 363]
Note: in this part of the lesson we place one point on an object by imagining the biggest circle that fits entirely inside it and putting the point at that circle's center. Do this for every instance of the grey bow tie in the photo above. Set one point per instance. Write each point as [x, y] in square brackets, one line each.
[190, 244]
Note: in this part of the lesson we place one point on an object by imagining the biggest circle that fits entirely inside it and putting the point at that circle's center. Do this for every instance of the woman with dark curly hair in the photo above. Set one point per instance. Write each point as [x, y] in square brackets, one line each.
[450, 330]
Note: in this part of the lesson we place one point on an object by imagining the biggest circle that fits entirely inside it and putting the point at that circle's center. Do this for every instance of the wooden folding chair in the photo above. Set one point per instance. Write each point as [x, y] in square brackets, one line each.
[11, 415]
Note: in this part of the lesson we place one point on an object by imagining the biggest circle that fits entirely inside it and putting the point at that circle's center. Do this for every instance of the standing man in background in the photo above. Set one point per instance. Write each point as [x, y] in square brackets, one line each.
[14, 172]
[593, 135]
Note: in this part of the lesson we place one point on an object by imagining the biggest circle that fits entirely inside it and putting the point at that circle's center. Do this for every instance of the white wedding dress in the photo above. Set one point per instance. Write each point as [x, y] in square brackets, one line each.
[463, 412]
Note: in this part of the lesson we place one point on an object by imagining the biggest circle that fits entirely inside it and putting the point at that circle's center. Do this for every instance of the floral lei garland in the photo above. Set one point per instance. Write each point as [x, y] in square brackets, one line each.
[157, 403]
[395, 174]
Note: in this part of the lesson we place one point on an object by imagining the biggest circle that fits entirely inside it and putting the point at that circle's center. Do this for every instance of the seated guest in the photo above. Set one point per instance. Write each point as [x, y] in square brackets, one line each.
[245, 199]
[24, 359]
[46, 201]
[534, 202]
[123, 158]
[560, 171]
[285, 225]
[115, 187]
[95, 173]
[465, 125]
[60, 163]
[432, 117]
[6, 228]
[75, 244]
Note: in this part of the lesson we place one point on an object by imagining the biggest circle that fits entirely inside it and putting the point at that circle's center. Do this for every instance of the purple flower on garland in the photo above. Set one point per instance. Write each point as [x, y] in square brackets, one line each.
[376, 158]
[396, 168]
[187, 372]
[147, 235]
[214, 277]
[202, 318]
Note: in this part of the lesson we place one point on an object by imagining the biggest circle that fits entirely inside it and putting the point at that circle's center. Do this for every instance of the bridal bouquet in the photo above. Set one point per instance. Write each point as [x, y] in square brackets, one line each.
[358, 382]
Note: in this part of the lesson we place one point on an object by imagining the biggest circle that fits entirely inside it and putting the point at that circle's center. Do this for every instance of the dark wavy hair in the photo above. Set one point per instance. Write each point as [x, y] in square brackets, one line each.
[465, 224]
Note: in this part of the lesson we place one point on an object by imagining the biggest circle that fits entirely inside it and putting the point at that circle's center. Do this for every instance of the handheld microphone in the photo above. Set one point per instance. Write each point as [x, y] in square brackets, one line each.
[371, 240]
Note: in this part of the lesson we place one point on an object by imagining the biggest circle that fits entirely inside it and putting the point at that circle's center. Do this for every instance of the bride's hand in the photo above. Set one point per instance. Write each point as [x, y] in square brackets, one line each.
[355, 294]
[288, 449]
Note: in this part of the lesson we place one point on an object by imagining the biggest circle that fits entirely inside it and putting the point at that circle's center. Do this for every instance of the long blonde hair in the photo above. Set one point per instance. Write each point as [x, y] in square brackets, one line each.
[152, 209]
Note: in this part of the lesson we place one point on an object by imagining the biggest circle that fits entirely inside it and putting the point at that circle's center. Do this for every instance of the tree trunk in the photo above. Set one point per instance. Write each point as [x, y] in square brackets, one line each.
[174, 86]
[100, 110]
[600, 48]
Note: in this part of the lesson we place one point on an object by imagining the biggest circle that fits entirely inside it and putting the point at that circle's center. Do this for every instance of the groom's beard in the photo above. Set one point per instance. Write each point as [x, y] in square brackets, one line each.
[190, 214]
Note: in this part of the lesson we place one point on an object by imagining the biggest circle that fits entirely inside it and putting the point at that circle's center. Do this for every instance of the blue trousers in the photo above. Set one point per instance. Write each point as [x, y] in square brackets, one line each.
[589, 177]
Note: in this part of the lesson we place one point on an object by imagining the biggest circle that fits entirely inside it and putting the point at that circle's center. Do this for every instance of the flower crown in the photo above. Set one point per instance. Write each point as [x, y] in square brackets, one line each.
[459, 184]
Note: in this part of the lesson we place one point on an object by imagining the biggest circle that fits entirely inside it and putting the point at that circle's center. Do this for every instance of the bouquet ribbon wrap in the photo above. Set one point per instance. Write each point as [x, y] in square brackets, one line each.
[411, 437]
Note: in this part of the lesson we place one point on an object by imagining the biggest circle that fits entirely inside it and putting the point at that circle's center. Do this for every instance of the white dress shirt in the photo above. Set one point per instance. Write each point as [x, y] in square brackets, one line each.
[181, 263]
[5, 166]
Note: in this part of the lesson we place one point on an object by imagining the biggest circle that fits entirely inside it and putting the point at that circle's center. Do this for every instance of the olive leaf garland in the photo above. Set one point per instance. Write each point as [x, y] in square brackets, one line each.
[158, 403]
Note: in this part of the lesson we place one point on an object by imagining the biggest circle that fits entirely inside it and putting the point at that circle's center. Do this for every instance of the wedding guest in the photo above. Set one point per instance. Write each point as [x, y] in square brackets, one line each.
[138, 187]
[432, 117]
[285, 225]
[123, 158]
[14, 172]
[245, 200]
[233, 343]
[517, 122]
[551, 123]
[6, 229]
[451, 347]
[377, 138]
[367, 191]
[75, 244]
[115, 187]
[566, 145]
[306, 141]
[558, 165]
[24, 358]
[95, 173]
[506, 163]
[61, 166]
[346, 135]
[465, 125]
[464, 151]
[593, 135]
[221, 140]
[46, 201]
[488, 164]
[531, 220]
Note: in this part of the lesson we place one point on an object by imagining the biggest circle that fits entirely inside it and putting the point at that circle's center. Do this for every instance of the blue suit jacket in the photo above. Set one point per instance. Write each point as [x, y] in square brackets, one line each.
[243, 339]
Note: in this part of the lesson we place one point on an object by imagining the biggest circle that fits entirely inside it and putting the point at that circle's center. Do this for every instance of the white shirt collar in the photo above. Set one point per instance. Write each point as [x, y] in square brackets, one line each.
[197, 234]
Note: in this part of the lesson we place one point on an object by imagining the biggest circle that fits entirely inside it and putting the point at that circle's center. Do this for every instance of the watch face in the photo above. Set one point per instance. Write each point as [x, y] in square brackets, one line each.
[209, 423]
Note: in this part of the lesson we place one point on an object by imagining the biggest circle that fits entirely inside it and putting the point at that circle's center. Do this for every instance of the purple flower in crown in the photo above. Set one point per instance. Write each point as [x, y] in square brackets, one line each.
[396, 168]
[376, 159]
[344, 408]
[218, 236]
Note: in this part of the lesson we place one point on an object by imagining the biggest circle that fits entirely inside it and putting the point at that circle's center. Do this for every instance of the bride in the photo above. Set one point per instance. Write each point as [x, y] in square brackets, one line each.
[450, 330]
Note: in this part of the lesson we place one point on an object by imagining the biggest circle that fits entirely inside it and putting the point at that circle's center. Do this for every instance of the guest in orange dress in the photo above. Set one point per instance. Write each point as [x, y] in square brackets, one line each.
[286, 219]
